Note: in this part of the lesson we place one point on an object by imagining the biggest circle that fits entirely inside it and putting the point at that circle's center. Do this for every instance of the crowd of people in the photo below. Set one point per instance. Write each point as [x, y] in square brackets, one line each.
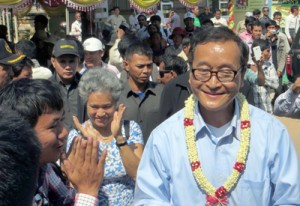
[151, 113]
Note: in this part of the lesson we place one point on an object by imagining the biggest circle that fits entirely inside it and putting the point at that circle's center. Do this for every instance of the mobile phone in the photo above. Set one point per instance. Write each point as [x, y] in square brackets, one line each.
[257, 53]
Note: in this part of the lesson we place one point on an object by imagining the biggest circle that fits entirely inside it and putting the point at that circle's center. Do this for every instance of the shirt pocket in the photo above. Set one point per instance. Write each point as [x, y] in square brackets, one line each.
[254, 192]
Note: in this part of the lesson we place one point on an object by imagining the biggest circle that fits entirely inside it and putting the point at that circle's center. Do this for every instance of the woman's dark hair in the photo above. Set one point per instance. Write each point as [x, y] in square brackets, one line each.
[17, 68]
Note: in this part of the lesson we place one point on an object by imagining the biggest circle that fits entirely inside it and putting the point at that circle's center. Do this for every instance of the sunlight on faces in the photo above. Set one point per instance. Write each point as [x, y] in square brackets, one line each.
[65, 66]
[139, 68]
[92, 58]
[51, 134]
[213, 95]
[101, 108]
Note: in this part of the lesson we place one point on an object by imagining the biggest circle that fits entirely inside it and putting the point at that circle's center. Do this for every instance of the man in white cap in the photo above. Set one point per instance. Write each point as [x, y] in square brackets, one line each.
[93, 52]
[241, 27]
[188, 20]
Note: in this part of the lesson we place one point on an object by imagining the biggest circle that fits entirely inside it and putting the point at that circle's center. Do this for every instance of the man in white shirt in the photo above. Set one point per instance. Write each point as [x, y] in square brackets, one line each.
[133, 21]
[115, 20]
[76, 27]
[292, 23]
[218, 20]
[93, 52]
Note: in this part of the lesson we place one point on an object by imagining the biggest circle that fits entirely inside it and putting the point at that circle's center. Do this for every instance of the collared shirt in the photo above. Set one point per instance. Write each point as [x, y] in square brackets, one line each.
[287, 104]
[263, 95]
[134, 23]
[143, 111]
[115, 21]
[246, 37]
[76, 30]
[52, 190]
[74, 105]
[291, 22]
[281, 47]
[271, 175]
[142, 33]
[109, 67]
[221, 21]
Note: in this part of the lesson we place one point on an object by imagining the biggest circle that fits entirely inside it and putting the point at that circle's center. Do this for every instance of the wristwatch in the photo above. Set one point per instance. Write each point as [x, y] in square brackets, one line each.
[121, 144]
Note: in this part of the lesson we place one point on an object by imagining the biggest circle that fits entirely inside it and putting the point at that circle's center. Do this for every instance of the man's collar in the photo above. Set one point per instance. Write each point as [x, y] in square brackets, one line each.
[235, 121]
[150, 86]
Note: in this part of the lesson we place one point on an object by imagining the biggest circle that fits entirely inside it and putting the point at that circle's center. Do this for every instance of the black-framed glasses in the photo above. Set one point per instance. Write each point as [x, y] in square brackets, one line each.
[204, 75]
[162, 73]
[266, 10]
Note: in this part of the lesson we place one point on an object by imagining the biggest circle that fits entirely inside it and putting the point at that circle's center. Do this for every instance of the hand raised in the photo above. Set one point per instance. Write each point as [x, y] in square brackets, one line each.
[116, 124]
[87, 130]
[83, 168]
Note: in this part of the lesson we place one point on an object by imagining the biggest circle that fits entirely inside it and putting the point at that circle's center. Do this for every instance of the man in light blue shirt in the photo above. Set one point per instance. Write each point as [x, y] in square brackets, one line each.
[270, 174]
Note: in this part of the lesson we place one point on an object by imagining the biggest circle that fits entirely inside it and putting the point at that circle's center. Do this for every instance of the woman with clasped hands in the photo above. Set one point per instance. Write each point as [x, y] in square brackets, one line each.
[124, 144]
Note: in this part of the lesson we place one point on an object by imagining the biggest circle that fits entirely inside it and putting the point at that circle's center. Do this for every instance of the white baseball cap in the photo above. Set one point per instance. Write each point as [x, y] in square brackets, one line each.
[248, 14]
[188, 15]
[93, 44]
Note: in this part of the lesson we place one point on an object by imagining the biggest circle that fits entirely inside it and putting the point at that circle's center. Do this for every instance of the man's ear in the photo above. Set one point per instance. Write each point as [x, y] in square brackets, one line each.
[126, 65]
[52, 60]
[174, 74]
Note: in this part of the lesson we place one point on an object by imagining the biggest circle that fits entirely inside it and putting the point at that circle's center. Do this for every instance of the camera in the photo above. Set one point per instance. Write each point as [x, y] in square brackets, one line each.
[274, 32]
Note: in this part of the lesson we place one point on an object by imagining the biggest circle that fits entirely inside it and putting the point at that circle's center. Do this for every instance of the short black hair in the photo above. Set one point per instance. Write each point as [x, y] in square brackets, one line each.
[31, 98]
[42, 19]
[270, 23]
[256, 23]
[207, 22]
[19, 158]
[17, 68]
[249, 20]
[140, 49]
[262, 43]
[174, 63]
[294, 7]
[26, 47]
[277, 13]
[219, 34]
[155, 18]
[125, 42]
[256, 12]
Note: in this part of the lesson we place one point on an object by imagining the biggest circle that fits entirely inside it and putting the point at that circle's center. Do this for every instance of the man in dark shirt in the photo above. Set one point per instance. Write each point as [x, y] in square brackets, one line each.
[140, 95]
[65, 60]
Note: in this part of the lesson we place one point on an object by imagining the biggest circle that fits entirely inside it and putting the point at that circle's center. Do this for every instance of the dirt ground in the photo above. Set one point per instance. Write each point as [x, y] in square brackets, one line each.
[293, 126]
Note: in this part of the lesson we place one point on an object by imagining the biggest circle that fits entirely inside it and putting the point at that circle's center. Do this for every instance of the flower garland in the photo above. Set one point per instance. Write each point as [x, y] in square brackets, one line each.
[217, 196]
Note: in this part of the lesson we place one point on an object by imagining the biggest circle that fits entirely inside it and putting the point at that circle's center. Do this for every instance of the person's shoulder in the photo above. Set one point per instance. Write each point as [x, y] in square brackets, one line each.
[168, 125]
[263, 118]
[155, 86]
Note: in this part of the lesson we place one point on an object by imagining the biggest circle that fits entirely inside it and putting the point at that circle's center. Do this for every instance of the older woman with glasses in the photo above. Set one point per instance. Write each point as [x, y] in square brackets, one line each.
[121, 138]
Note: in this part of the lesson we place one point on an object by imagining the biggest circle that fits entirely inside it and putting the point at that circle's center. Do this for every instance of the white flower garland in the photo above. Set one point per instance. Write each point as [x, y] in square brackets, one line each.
[217, 196]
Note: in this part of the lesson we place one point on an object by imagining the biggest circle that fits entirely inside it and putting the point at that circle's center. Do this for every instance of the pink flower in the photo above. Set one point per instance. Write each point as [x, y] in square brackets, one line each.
[195, 165]
[221, 192]
[239, 166]
[188, 122]
[245, 124]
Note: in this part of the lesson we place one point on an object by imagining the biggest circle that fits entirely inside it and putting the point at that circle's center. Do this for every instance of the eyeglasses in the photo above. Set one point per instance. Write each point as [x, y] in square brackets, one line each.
[162, 73]
[204, 75]
[266, 10]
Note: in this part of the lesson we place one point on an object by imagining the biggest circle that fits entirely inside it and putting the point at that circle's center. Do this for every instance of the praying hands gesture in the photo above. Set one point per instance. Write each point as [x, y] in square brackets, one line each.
[82, 166]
